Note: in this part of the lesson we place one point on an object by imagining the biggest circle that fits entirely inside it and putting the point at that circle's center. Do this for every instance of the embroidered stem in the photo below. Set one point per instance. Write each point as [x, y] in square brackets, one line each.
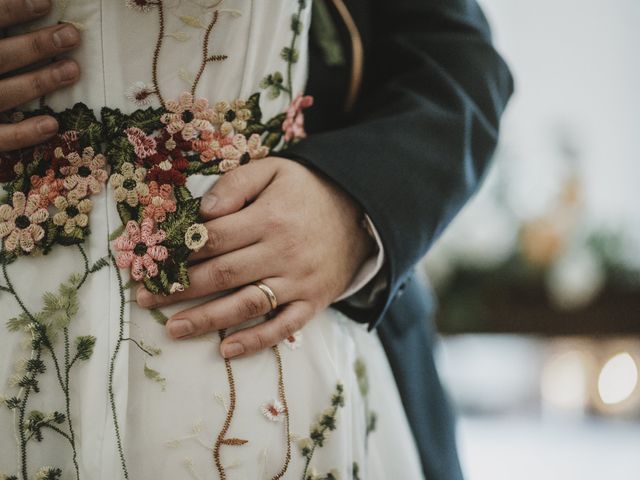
[230, 412]
[283, 399]
[112, 366]
[156, 53]
[206, 58]
[292, 49]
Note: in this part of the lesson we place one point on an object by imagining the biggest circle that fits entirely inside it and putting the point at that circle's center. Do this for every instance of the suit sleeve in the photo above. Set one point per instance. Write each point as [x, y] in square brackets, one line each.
[424, 129]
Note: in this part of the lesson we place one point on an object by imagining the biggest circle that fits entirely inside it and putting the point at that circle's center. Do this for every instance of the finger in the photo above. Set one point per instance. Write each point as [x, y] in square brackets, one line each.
[27, 133]
[237, 188]
[240, 306]
[232, 270]
[231, 232]
[22, 50]
[13, 12]
[269, 333]
[26, 87]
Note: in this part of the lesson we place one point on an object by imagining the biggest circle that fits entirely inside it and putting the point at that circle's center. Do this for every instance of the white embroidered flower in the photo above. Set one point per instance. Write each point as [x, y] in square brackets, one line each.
[306, 446]
[72, 212]
[294, 341]
[230, 117]
[241, 151]
[273, 410]
[20, 223]
[140, 93]
[196, 237]
[176, 287]
[46, 473]
[129, 185]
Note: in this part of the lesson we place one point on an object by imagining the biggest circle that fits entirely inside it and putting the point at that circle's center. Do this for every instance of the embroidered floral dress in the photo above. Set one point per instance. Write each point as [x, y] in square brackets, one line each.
[174, 93]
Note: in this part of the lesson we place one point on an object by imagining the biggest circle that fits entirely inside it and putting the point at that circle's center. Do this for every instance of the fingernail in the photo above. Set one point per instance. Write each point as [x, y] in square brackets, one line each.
[47, 126]
[232, 350]
[180, 328]
[38, 7]
[65, 72]
[208, 203]
[66, 36]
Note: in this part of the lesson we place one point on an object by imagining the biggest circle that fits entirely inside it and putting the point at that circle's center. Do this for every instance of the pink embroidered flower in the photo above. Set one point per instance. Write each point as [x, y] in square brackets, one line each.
[293, 125]
[140, 93]
[84, 175]
[129, 184]
[72, 213]
[48, 187]
[158, 202]
[20, 223]
[230, 117]
[143, 145]
[210, 144]
[139, 249]
[241, 151]
[188, 116]
[273, 410]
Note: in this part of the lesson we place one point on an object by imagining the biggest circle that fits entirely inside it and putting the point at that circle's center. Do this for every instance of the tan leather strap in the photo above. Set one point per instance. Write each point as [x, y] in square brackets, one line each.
[357, 54]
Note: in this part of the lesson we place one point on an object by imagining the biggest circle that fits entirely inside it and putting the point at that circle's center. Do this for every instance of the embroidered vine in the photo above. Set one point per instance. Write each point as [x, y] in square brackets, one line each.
[318, 434]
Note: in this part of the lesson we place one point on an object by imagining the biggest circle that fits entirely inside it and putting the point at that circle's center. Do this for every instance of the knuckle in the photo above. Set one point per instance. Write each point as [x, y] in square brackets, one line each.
[249, 308]
[221, 275]
[18, 136]
[260, 341]
[38, 44]
[291, 325]
[235, 179]
[38, 85]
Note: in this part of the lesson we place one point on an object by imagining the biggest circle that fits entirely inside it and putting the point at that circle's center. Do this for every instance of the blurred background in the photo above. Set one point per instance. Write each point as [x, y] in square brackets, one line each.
[538, 279]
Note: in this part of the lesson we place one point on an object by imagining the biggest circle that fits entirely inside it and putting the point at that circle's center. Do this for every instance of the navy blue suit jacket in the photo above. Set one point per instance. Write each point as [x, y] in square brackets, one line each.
[411, 152]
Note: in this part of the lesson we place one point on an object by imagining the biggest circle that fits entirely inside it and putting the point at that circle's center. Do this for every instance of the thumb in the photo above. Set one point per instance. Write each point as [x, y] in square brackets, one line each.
[235, 189]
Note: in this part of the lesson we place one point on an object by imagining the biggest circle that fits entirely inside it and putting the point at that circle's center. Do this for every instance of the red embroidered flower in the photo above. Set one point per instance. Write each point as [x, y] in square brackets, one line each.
[48, 188]
[188, 115]
[143, 145]
[84, 175]
[139, 249]
[158, 202]
[10, 166]
[293, 125]
[56, 150]
[20, 223]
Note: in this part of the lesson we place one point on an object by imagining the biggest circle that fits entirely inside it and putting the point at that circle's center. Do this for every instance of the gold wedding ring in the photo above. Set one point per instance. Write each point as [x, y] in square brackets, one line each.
[273, 300]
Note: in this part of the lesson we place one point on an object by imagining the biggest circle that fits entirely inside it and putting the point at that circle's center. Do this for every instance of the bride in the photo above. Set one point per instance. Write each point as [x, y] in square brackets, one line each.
[106, 216]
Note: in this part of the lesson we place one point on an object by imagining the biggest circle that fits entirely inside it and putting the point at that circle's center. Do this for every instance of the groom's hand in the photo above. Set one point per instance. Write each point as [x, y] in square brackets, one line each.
[275, 221]
[22, 52]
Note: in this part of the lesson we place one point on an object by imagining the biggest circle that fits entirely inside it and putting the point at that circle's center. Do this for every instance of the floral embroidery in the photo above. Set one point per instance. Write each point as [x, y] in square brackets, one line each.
[48, 188]
[140, 93]
[84, 175]
[241, 151]
[188, 116]
[273, 410]
[72, 213]
[230, 117]
[129, 185]
[158, 202]
[20, 224]
[139, 249]
[196, 237]
[293, 125]
[143, 145]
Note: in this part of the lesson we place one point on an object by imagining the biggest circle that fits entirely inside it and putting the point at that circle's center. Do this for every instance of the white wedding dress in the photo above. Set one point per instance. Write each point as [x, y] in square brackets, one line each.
[93, 387]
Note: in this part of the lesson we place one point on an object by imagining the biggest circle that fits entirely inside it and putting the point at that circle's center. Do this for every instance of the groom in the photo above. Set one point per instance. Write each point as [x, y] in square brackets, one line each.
[408, 96]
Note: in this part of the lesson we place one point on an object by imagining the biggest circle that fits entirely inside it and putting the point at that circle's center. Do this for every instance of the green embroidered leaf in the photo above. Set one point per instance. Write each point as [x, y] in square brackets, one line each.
[272, 140]
[154, 284]
[177, 223]
[7, 258]
[61, 308]
[296, 24]
[196, 167]
[253, 104]
[21, 322]
[152, 374]
[100, 264]
[147, 120]
[126, 212]
[112, 120]
[75, 237]
[130, 283]
[158, 316]
[116, 233]
[182, 194]
[81, 119]
[120, 151]
[290, 55]
[84, 346]
[151, 350]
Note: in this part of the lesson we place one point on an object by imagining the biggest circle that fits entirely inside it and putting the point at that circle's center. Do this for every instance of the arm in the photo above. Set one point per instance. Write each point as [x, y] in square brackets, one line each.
[423, 130]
